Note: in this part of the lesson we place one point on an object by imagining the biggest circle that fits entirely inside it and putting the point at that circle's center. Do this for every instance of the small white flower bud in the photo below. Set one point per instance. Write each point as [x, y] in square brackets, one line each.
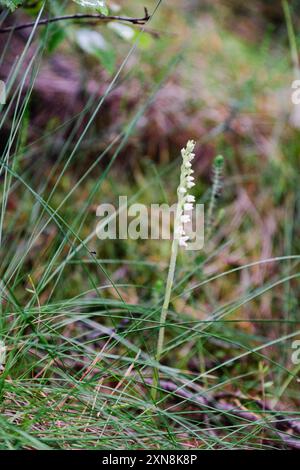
[2, 354]
[180, 230]
[185, 219]
[183, 241]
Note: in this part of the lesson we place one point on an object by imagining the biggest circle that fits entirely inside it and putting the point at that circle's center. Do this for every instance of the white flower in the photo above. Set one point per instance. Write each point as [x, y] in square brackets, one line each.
[2, 355]
[183, 241]
[180, 230]
[185, 200]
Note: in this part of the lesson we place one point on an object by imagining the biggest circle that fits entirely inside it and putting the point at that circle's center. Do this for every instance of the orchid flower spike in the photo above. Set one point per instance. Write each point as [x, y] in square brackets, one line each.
[185, 200]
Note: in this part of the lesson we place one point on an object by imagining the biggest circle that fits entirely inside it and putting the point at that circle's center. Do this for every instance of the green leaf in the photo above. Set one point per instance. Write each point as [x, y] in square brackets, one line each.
[99, 5]
[11, 4]
[53, 36]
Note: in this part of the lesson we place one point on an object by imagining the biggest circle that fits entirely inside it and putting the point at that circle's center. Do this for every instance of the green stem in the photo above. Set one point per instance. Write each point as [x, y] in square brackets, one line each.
[292, 37]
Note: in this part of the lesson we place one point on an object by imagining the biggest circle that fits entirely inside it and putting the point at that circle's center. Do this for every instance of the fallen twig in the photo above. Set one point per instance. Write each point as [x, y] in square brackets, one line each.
[281, 424]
